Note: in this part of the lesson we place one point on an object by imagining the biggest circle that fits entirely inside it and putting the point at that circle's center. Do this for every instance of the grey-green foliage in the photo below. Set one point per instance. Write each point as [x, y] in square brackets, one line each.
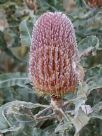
[26, 27]
[15, 116]
[13, 79]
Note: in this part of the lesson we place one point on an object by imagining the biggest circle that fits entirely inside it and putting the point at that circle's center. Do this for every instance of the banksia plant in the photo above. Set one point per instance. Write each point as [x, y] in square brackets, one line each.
[54, 55]
[55, 71]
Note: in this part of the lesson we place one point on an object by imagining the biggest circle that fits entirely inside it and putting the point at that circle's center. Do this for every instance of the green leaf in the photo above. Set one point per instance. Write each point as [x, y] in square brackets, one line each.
[64, 127]
[11, 37]
[80, 121]
[20, 53]
[93, 72]
[3, 1]
[26, 27]
[3, 122]
[2, 41]
[92, 60]
[97, 111]
[12, 79]
[90, 42]
[15, 116]
[39, 132]
[93, 78]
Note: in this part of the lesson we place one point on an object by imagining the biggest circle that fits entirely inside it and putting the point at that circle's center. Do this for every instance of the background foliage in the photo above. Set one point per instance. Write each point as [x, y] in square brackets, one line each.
[17, 97]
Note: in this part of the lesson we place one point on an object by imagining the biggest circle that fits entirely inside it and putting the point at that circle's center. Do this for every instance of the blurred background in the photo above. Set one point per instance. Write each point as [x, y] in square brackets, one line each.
[16, 21]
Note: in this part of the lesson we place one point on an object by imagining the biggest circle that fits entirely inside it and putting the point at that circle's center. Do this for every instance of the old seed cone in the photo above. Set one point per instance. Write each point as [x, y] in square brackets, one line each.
[53, 55]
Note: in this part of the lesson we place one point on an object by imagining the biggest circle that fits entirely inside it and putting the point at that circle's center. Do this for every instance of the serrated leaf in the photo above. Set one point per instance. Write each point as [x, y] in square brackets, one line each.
[12, 129]
[93, 72]
[92, 60]
[63, 127]
[12, 79]
[20, 52]
[16, 115]
[2, 41]
[97, 111]
[80, 121]
[94, 78]
[26, 27]
[3, 122]
[90, 42]
[3, 1]
[39, 132]
[11, 38]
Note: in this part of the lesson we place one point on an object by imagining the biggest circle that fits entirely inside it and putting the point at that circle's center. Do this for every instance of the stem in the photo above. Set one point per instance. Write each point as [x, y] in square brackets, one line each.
[66, 116]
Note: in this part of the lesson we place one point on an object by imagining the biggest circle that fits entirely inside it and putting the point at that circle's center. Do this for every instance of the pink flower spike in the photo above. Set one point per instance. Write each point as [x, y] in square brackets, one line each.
[53, 55]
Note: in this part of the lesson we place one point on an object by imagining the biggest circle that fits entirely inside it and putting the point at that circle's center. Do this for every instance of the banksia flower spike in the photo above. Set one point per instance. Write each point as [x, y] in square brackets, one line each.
[53, 55]
[94, 3]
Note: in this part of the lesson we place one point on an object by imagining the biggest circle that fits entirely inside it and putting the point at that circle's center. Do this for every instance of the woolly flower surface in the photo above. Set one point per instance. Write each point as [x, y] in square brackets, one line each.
[53, 55]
